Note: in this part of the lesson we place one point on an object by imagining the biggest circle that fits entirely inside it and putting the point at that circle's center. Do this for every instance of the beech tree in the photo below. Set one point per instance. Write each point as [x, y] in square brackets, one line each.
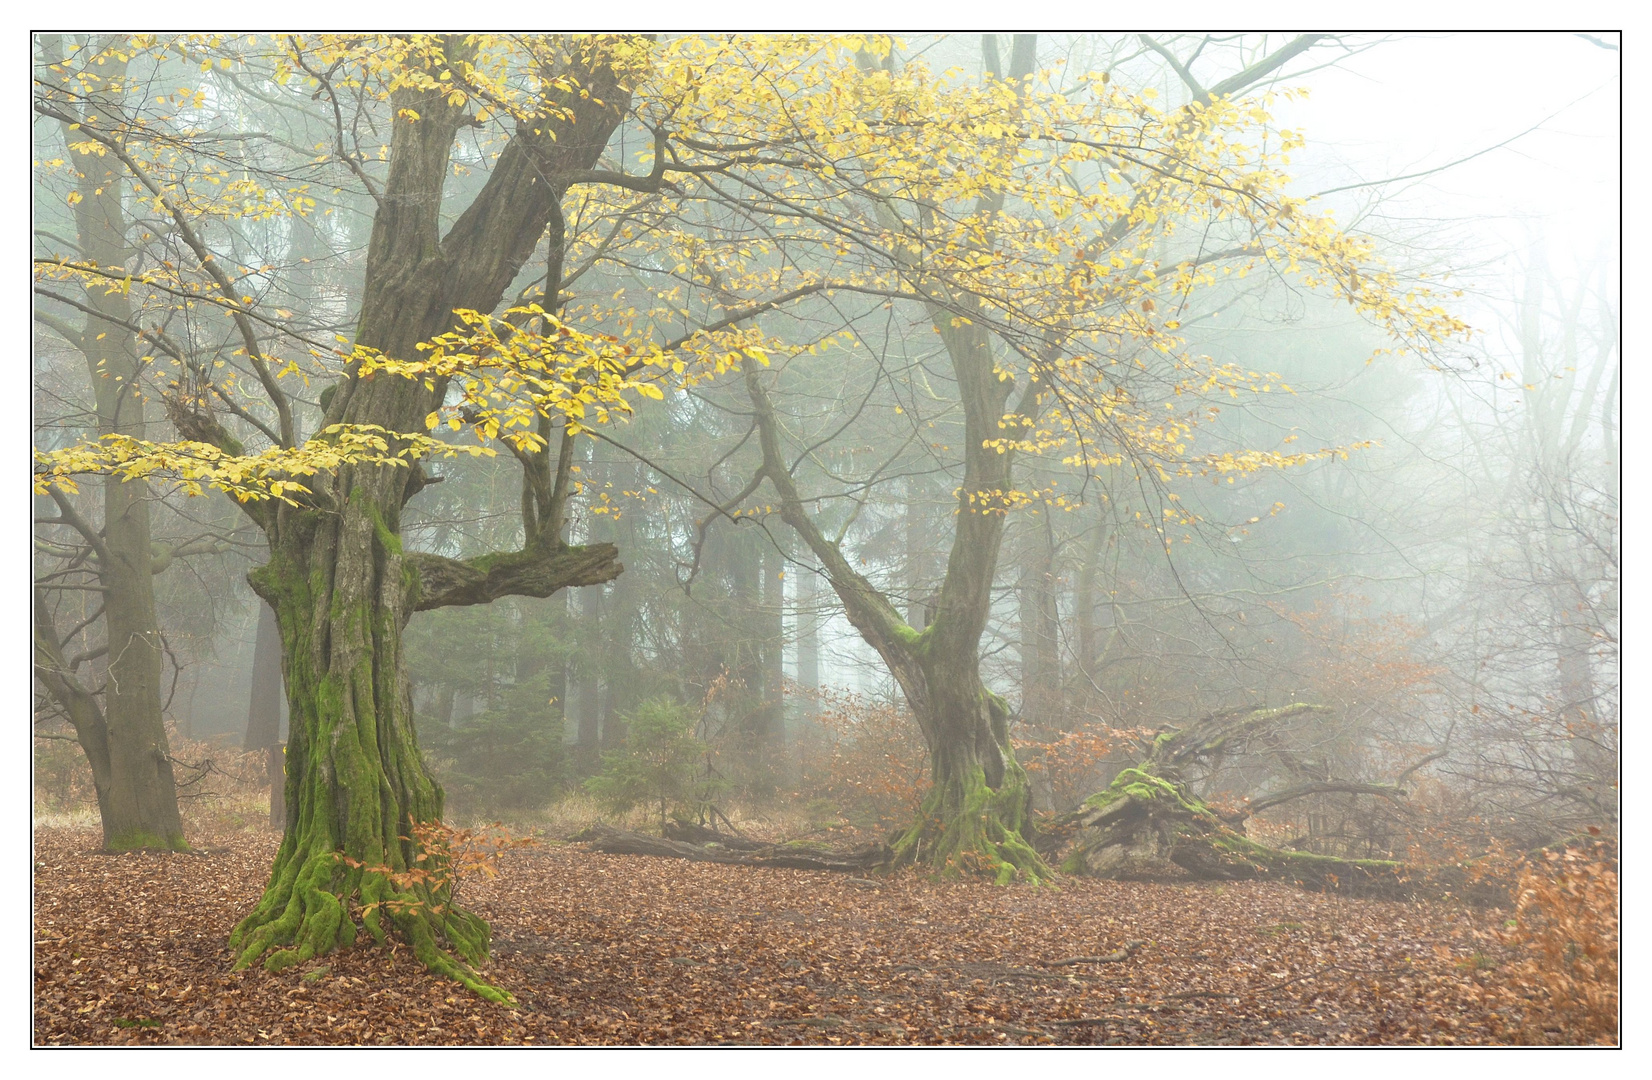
[1039, 238]
[427, 353]
[338, 579]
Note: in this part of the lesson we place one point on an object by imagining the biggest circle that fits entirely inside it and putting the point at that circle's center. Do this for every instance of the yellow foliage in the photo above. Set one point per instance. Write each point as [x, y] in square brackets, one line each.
[1050, 221]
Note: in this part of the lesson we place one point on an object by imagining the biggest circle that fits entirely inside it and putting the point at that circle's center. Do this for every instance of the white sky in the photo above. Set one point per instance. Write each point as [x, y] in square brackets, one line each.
[1421, 102]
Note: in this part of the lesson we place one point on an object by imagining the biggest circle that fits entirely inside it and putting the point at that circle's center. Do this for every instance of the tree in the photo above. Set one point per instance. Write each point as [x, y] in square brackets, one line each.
[1532, 637]
[123, 735]
[427, 348]
[1041, 268]
[338, 578]
[1034, 233]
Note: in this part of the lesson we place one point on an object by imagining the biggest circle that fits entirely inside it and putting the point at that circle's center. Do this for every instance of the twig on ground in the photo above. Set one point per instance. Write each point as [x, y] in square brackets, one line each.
[1118, 957]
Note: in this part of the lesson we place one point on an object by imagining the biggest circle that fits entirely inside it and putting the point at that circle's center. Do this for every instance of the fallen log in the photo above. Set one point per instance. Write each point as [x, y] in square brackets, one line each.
[611, 841]
[1148, 823]
[690, 833]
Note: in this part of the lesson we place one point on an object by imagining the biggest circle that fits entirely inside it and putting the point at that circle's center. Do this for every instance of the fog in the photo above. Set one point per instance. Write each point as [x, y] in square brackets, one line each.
[1439, 572]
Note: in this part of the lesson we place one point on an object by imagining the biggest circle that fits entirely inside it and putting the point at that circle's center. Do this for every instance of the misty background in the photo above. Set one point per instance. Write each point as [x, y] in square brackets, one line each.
[1451, 587]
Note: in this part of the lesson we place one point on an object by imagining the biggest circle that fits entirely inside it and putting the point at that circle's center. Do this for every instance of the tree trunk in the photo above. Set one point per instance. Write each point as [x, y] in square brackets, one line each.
[1042, 694]
[974, 819]
[586, 683]
[774, 650]
[142, 809]
[78, 703]
[355, 780]
[808, 637]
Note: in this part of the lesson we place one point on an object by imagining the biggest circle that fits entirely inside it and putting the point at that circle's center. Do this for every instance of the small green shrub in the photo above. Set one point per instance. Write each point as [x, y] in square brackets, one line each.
[657, 764]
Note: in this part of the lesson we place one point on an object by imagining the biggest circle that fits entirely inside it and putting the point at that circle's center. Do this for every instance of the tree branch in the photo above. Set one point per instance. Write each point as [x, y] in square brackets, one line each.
[443, 582]
[1328, 787]
[205, 259]
[867, 608]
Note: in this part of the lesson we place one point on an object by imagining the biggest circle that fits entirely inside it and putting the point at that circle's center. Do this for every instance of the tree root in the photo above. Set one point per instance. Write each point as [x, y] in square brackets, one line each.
[1147, 823]
[1118, 957]
[966, 828]
[305, 913]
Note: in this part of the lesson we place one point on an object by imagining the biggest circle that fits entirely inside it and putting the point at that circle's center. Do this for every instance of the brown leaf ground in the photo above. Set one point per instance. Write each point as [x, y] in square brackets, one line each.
[600, 949]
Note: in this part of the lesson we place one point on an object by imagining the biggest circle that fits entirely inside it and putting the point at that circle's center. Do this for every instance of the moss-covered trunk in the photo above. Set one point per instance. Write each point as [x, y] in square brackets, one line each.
[974, 820]
[338, 579]
[975, 817]
[355, 781]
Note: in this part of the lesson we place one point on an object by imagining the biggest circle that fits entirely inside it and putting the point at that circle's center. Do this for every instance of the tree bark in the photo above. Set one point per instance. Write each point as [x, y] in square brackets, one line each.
[974, 820]
[808, 637]
[1042, 689]
[79, 704]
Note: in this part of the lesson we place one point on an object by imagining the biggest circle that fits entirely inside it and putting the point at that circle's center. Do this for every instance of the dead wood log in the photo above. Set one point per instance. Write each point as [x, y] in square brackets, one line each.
[611, 841]
[1149, 824]
[689, 833]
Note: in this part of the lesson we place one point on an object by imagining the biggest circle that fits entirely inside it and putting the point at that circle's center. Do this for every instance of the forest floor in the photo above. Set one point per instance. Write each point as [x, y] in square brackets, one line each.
[600, 949]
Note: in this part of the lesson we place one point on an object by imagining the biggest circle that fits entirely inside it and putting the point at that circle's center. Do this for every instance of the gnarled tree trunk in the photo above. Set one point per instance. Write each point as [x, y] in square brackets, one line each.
[975, 817]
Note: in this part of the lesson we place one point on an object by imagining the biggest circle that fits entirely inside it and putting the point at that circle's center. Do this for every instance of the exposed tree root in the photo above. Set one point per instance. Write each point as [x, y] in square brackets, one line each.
[1148, 825]
[306, 912]
[966, 828]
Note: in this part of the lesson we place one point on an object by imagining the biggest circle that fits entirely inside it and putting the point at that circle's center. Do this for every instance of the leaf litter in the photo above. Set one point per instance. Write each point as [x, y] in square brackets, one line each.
[630, 950]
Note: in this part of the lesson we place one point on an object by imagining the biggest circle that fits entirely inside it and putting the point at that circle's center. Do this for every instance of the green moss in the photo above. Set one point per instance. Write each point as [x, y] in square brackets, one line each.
[916, 641]
[355, 784]
[1145, 785]
[387, 537]
[143, 840]
[281, 961]
[495, 560]
[966, 829]
[1232, 843]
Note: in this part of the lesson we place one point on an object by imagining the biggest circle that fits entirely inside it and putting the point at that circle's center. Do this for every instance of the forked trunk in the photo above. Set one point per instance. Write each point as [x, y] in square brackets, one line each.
[342, 588]
[974, 819]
